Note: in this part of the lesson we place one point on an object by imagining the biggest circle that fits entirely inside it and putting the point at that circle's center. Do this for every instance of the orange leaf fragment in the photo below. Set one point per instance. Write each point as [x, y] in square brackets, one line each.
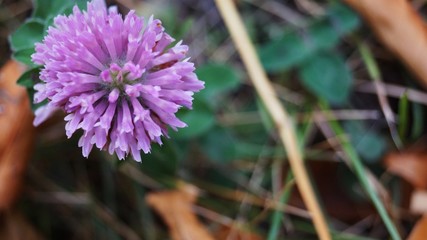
[17, 133]
[400, 28]
[175, 207]
[420, 230]
[412, 166]
[238, 234]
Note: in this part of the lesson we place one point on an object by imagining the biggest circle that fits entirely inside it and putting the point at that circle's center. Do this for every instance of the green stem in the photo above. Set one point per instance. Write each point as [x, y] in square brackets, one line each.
[375, 75]
[277, 217]
[370, 63]
[403, 115]
[361, 175]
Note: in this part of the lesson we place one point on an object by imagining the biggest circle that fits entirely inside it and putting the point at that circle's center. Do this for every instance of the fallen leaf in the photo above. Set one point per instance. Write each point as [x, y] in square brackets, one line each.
[239, 234]
[339, 191]
[15, 227]
[17, 133]
[418, 202]
[175, 208]
[410, 165]
[400, 28]
[419, 232]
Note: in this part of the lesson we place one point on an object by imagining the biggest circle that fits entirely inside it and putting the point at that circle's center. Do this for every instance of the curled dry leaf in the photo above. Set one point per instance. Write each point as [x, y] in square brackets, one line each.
[410, 165]
[17, 133]
[175, 207]
[400, 28]
[419, 232]
[237, 234]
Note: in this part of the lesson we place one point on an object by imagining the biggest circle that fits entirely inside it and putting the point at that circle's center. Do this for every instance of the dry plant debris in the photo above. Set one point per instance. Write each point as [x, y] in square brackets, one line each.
[400, 28]
[283, 122]
[238, 234]
[420, 230]
[17, 133]
[410, 165]
[175, 208]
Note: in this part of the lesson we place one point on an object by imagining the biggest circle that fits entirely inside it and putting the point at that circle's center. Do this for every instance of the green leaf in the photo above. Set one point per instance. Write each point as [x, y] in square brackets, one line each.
[174, 23]
[343, 18]
[183, 28]
[26, 35]
[29, 78]
[297, 45]
[199, 120]
[23, 39]
[284, 53]
[218, 78]
[219, 145]
[46, 9]
[322, 36]
[24, 56]
[327, 76]
[255, 151]
[368, 144]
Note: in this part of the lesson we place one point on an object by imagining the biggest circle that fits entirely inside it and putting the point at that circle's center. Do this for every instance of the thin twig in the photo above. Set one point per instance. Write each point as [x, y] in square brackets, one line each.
[253, 183]
[312, 7]
[112, 221]
[60, 197]
[253, 199]
[281, 11]
[396, 91]
[101, 211]
[279, 115]
[138, 176]
[246, 118]
[375, 74]
[213, 216]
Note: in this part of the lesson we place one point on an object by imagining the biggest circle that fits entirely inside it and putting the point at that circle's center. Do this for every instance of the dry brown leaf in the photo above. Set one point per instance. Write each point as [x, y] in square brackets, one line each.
[333, 189]
[239, 234]
[400, 28]
[418, 202]
[175, 207]
[15, 227]
[412, 166]
[17, 133]
[420, 230]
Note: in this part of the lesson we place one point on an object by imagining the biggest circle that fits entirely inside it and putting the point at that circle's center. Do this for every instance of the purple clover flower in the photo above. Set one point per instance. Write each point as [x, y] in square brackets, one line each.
[117, 80]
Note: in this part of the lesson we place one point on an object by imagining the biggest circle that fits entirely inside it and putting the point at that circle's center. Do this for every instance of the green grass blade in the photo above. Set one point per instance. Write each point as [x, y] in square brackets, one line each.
[361, 175]
[277, 216]
[417, 126]
[403, 115]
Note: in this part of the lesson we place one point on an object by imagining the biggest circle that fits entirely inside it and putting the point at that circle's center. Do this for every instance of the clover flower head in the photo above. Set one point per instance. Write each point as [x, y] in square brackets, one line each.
[116, 78]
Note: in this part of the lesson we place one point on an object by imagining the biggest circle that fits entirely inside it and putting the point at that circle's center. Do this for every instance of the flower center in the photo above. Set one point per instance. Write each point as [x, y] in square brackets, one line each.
[117, 77]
